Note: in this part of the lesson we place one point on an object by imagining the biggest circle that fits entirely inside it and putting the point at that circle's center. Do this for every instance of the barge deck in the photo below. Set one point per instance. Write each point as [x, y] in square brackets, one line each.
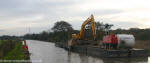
[103, 53]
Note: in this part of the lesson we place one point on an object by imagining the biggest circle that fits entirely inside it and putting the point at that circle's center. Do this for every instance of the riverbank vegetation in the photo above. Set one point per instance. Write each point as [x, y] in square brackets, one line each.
[12, 50]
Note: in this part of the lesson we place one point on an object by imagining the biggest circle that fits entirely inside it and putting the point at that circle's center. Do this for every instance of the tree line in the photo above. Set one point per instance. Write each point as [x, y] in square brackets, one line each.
[62, 31]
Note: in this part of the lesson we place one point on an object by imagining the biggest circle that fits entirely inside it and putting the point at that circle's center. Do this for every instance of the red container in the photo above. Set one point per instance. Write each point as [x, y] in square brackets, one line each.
[110, 39]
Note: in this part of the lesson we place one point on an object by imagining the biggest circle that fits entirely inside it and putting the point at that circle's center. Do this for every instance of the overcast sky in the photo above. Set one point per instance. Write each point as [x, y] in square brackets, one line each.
[17, 16]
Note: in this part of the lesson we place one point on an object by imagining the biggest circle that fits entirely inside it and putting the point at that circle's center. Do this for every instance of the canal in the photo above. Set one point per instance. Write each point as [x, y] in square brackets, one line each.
[45, 52]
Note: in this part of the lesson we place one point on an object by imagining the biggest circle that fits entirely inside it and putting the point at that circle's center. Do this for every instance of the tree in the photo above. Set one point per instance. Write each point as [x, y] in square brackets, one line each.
[99, 30]
[44, 35]
[99, 26]
[61, 26]
[62, 31]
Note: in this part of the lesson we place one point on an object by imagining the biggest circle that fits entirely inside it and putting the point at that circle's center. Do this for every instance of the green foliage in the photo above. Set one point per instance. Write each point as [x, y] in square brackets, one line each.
[12, 50]
[0, 42]
[6, 46]
[61, 26]
[99, 25]
[16, 53]
[6, 37]
[99, 31]
[61, 33]
[140, 34]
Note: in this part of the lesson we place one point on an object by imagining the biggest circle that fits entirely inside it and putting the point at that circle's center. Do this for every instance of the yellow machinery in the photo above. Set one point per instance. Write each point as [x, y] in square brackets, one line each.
[80, 36]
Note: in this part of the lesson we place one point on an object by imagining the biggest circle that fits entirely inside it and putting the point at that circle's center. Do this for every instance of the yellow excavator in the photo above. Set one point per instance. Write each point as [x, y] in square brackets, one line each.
[81, 35]
[80, 38]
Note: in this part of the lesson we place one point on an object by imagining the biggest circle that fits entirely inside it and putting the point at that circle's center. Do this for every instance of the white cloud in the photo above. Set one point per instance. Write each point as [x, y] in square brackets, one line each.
[17, 15]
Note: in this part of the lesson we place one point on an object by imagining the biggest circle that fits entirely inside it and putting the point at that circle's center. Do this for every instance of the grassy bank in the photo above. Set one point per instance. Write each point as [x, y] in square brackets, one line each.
[0, 42]
[12, 50]
[16, 53]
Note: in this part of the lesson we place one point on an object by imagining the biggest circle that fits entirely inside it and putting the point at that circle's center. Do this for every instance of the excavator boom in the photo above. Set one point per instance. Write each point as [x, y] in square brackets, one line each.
[82, 31]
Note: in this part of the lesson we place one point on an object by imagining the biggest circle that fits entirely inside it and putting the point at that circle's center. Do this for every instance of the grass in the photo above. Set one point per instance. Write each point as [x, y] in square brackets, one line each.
[12, 50]
[0, 42]
[3, 41]
[16, 53]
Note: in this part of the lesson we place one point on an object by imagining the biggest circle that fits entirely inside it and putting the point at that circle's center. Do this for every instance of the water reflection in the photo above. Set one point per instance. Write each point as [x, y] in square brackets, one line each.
[48, 53]
[69, 57]
[126, 60]
[88, 59]
[83, 58]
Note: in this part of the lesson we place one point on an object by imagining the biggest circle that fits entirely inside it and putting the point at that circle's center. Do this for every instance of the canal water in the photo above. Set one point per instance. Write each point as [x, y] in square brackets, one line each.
[45, 52]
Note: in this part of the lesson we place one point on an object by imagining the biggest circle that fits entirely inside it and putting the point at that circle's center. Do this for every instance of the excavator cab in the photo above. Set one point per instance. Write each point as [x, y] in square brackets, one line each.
[88, 32]
[81, 37]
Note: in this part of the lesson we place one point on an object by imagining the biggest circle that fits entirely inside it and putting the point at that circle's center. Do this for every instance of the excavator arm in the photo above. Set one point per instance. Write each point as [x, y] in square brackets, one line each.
[82, 31]
[93, 27]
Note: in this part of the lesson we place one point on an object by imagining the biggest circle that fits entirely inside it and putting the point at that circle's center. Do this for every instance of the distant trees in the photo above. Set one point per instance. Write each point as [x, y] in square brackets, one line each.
[140, 34]
[6, 37]
[43, 35]
[99, 25]
[99, 30]
[61, 26]
[62, 31]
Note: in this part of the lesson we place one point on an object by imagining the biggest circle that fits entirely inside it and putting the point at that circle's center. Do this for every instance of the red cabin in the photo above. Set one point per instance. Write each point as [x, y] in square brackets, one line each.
[110, 41]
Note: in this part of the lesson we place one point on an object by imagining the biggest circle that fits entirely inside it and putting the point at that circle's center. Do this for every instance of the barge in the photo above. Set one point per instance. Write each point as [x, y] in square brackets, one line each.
[103, 53]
